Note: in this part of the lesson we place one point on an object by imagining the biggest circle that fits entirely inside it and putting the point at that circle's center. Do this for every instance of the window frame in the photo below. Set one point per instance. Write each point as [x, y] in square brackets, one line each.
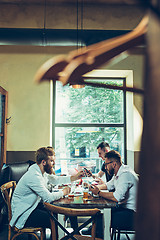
[3, 133]
[123, 125]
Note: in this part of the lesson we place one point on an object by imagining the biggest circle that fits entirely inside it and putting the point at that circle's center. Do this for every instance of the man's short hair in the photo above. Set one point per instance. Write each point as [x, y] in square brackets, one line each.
[113, 155]
[103, 145]
[43, 153]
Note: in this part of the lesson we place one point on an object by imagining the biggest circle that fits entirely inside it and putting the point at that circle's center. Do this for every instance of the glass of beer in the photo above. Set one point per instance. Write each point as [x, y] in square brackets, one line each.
[85, 189]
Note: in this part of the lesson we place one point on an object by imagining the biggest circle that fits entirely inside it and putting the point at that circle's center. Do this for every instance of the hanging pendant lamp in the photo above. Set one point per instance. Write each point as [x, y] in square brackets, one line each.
[78, 86]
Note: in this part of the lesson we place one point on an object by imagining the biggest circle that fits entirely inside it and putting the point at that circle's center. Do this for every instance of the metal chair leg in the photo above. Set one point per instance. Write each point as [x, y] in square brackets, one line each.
[127, 237]
[113, 234]
[118, 236]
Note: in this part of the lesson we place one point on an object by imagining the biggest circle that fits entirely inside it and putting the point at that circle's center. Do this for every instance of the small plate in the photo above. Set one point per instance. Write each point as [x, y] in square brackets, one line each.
[74, 195]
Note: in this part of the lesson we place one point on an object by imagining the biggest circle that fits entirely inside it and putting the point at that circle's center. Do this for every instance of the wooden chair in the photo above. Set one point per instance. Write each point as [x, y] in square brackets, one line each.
[115, 233]
[93, 213]
[7, 192]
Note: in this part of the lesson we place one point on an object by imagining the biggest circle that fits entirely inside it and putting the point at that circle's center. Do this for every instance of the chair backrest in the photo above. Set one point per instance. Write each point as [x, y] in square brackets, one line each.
[7, 190]
[14, 171]
[71, 211]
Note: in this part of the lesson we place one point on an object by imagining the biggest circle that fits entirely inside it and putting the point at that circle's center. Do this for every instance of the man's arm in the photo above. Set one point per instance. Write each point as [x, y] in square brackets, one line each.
[53, 179]
[89, 173]
[108, 195]
[102, 186]
[79, 175]
[98, 175]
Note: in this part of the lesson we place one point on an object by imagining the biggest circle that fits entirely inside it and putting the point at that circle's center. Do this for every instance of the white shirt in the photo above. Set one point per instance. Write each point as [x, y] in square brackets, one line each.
[125, 185]
[55, 180]
[31, 188]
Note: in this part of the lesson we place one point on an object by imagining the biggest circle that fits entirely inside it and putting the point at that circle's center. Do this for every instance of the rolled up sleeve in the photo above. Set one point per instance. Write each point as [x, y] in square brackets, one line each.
[110, 184]
[38, 186]
[53, 179]
[122, 187]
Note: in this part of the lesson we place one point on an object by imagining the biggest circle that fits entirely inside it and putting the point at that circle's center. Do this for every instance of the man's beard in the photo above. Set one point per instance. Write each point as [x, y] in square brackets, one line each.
[111, 172]
[48, 168]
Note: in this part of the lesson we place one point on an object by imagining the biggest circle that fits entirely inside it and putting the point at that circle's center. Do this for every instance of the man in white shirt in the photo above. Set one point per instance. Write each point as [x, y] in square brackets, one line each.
[102, 149]
[124, 183]
[32, 188]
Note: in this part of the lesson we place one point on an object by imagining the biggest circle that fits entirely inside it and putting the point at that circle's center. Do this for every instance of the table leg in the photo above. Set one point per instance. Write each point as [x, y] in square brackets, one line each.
[107, 220]
[60, 231]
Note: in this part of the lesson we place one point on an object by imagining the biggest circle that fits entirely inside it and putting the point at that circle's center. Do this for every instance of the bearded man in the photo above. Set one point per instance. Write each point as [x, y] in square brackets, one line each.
[124, 185]
[31, 191]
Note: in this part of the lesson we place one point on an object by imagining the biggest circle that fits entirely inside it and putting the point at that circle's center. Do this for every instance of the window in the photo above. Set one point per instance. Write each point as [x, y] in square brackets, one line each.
[3, 128]
[83, 118]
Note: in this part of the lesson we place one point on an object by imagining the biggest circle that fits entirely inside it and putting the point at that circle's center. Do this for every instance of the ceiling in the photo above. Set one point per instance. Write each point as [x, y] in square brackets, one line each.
[36, 36]
[132, 2]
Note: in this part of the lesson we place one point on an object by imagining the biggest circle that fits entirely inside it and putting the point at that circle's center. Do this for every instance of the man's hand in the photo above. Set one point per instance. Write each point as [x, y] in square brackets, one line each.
[87, 172]
[94, 189]
[108, 195]
[79, 175]
[66, 191]
[99, 181]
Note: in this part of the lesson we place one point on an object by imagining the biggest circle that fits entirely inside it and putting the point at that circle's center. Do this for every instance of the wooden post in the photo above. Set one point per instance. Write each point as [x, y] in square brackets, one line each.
[3, 131]
[148, 219]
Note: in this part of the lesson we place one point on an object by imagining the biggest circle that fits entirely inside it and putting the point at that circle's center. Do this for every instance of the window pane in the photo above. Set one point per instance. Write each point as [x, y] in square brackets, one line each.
[76, 147]
[89, 104]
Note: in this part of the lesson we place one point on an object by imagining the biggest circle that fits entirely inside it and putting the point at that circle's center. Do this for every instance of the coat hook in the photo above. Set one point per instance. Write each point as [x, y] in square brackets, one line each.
[8, 120]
